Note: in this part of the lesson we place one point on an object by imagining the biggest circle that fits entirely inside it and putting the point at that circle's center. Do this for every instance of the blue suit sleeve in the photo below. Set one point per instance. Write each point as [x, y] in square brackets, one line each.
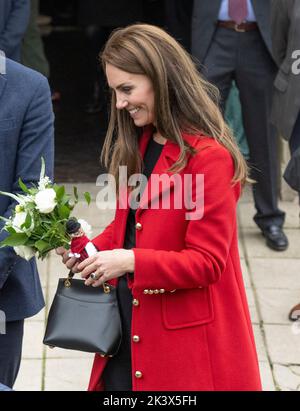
[36, 141]
[16, 25]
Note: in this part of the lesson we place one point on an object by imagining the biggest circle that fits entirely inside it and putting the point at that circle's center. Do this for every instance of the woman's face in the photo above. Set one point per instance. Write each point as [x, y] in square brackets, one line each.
[134, 93]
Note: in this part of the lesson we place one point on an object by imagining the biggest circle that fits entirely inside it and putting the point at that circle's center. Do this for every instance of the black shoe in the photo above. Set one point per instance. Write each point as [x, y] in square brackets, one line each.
[275, 238]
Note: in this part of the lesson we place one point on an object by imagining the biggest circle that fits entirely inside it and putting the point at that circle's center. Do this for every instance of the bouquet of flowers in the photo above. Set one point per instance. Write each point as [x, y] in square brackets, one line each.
[38, 222]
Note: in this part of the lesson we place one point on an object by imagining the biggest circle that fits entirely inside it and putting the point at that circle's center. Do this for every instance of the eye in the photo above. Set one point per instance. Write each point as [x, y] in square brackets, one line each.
[126, 90]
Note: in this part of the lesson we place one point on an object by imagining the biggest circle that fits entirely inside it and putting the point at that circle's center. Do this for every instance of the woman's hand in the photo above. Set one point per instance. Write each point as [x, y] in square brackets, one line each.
[106, 265]
[70, 262]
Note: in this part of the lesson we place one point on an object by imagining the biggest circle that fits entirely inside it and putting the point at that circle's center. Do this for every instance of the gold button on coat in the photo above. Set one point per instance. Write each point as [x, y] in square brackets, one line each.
[151, 292]
[146, 291]
[162, 291]
[136, 338]
[136, 302]
[138, 226]
[138, 374]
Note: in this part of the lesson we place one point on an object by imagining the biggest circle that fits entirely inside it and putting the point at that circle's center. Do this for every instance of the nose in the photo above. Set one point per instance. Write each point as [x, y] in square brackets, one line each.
[121, 103]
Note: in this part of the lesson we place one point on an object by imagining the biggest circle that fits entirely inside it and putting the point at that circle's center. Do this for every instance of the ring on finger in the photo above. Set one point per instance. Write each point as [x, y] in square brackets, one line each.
[94, 276]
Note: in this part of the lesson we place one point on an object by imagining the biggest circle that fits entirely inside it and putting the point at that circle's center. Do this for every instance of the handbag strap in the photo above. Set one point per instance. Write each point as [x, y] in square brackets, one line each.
[68, 283]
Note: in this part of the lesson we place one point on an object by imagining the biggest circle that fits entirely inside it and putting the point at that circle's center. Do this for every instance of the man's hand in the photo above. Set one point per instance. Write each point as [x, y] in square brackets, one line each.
[70, 262]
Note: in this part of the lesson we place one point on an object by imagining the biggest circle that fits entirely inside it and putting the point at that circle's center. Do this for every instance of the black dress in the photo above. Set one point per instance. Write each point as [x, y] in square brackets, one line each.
[117, 373]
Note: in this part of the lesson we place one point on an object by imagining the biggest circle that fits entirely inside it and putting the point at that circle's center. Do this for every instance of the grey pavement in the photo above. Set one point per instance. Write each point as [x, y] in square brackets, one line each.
[272, 281]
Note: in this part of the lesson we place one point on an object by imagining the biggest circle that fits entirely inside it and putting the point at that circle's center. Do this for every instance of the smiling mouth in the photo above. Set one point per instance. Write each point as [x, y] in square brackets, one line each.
[134, 110]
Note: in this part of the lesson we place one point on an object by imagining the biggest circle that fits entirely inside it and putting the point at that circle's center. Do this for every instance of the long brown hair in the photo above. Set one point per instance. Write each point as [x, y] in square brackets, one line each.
[184, 101]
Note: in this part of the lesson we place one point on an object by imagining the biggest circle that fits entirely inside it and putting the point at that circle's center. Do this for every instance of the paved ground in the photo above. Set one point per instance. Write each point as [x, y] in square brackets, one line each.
[272, 281]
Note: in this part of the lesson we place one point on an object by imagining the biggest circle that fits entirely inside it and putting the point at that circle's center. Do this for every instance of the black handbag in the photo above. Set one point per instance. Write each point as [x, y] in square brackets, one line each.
[84, 318]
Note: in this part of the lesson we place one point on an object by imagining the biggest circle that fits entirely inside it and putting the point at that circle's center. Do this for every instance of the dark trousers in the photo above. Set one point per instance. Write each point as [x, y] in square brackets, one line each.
[294, 141]
[243, 57]
[11, 352]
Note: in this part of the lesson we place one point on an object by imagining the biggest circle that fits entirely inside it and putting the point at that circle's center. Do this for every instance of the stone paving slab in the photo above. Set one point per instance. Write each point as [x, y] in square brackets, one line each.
[287, 377]
[276, 304]
[30, 375]
[61, 353]
[67, 374]
[278, 273]
[252, 306]
[255, 245]
[245, 272]
[283, 343]
[33, 337]
[260, 346]
[266, 376]
[247, 211]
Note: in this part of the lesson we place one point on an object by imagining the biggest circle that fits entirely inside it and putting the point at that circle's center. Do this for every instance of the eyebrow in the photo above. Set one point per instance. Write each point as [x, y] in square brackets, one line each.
[121, 85]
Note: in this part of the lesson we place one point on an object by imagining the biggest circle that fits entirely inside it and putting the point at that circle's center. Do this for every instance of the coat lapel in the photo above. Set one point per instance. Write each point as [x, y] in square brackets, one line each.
[168, 157]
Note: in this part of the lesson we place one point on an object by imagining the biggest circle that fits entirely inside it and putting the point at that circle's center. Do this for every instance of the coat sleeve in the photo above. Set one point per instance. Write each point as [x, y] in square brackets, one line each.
[104, 240]
[280, 25]
[16, 25]
[207, 240]
[36, 140]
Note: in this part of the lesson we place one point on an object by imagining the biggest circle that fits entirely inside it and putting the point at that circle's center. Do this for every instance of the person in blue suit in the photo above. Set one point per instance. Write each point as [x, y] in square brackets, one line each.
[26, 135]
[14, 18]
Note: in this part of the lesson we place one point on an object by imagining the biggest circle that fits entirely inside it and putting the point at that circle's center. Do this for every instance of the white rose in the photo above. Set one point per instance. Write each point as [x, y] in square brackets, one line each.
[24, 252]
[18, 220]
[86, 227]
[45, 200]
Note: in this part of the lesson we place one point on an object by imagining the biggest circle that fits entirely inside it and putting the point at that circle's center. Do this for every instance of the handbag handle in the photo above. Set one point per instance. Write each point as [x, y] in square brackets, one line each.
[68, 283]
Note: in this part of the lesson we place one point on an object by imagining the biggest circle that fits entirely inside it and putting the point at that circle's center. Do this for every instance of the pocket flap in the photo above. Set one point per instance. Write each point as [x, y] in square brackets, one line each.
[187, 308]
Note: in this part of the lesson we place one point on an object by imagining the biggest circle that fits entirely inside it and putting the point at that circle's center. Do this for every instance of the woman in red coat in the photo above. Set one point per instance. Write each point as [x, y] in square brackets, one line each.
[172, 249]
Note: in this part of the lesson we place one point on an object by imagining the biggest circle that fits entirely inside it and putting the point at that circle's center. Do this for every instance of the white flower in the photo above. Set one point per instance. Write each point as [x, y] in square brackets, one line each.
[43, 183]
[18, 220]
[86, 228]
[24, 252]
[45, 200]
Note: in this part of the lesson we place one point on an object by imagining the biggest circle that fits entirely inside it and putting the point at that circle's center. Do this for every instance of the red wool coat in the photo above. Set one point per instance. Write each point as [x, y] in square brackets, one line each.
[189, 305]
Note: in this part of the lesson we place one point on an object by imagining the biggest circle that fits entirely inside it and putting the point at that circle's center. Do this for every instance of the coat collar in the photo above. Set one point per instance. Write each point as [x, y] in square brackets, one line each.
[169, 155]
[170, 150]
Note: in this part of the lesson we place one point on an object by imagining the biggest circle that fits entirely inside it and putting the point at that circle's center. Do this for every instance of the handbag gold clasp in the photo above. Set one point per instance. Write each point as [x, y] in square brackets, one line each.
[106, 288]
[68, 281]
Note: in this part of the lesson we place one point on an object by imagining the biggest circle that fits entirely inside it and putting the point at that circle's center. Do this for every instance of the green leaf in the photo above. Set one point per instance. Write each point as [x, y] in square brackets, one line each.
[65, 200]
[64, 211]
[41, 245]
[10, 230]
[23, 187]
[87, 197]
[28, 221]
[60, 192]
[75, 194]
[14, 240]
